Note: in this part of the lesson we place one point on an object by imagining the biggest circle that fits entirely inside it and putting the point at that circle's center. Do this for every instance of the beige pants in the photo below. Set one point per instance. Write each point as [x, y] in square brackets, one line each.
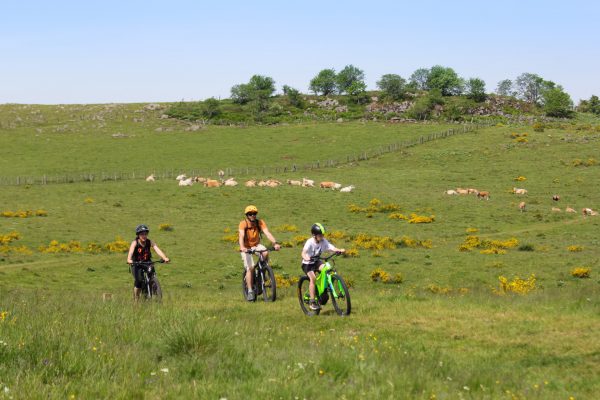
[247, 258]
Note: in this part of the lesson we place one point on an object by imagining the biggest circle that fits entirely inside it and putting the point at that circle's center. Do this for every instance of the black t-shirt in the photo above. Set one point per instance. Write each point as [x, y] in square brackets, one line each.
[142, 253]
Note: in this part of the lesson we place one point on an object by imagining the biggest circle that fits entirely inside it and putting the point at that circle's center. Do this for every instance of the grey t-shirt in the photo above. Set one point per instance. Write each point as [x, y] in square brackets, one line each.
[313, 249]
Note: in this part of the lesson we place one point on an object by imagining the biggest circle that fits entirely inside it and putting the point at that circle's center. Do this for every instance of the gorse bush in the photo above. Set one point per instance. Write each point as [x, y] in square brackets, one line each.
[581, 272]
[517, 285]
[24, 213]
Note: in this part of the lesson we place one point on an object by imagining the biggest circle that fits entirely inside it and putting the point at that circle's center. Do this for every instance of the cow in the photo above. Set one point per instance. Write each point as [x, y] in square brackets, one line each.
[522, 206]
[555, 197]
[151, 178]
[462, 191]
[212, 183]
[556, 209]
[199, 179]
[181, 177]
[347, 189]
[327, 185]
[472, 191]
[230, 182]
[483, 195]
[294, 183]
[519, 191]
[186, 182]
[570, 210]
[451, 192]
[250, 183]
[308, 182]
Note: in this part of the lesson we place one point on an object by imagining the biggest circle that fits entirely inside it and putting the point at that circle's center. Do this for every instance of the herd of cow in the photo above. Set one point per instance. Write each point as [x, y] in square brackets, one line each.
[522, 205]
[208, 182]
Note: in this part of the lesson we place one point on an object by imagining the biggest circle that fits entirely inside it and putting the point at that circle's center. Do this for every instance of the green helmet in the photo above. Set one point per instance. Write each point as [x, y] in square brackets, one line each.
[317, 229]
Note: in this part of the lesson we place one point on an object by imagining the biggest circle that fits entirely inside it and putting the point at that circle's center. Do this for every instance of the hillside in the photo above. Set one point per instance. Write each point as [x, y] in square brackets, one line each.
[484, 301]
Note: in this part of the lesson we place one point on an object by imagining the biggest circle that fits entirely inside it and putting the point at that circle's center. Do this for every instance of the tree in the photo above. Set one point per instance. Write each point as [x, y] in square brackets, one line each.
[590, 106]
[557, 103]
[476, 89]
[211, 108]
[347, 77]
[294, 96]
[444, 79]
[505, 88]
[393, 86]
[357, 91]
[423, 106]
[418, 79]
[240, 94]
[258, 91]
[324, 82]
[531, 86]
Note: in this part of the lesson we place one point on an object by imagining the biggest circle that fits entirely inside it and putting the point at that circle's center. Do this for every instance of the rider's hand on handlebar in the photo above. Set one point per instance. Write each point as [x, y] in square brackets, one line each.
[243, 250]
[277, 246]
[166, 259]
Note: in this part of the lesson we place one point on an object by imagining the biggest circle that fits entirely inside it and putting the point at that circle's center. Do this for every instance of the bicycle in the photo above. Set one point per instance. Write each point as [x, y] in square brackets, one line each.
[151, 288]
[264, 278]
[328, 284]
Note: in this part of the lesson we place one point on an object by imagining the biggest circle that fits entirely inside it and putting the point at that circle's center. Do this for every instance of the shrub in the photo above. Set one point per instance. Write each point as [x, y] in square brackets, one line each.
[581, 272]
[165, 227]
[233, 238]
[117, 246]
[420, 219]
[517, 285]
[88, 200]
[286, 228]
[472, 230]
[379, 275]
[352, 253]
[300, 239]
[520, 179]
[538, 127]
[575, 248]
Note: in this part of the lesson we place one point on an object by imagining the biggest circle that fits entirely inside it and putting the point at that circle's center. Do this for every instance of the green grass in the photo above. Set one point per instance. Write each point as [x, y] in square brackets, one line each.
[401, 341]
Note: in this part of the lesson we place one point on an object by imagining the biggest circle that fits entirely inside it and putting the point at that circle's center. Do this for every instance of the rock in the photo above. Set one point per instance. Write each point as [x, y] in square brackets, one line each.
[164, 116]
[152, 107]
[339, 120]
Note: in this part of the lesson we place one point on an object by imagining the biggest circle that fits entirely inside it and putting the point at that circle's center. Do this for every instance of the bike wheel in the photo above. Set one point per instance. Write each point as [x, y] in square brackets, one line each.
[340, 296]
[155, 289]
[304, 296]
[269, 286]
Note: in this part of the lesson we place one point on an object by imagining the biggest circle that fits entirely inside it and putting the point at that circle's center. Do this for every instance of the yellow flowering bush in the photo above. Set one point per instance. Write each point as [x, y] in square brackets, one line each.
[56, 247]
[233, 238]
[472, 230]
[375, 206]
[581, 272]
[9, 237]
[24, 213]
[373, 242]
[522, 140]
[286, 228]
[575, 248]
[406, 241]
[379, 275]
[336, 235]
[117, 246]
[520, 179]
[300, 239]
[88, 200]
[433, 288]
[282, 281]
[487, 246]
[420, 219]
[165, 227]
[398, 216]
[352, 253]
[517, 285]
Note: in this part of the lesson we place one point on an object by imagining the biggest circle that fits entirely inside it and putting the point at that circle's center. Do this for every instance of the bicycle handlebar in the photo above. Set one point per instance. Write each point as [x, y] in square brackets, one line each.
[255, 251]
[144, 263]
[317, 258]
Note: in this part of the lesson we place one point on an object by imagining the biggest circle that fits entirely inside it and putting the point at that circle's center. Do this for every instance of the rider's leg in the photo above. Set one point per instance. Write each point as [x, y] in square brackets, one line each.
[249, 266]
[311, 287]
[136, 293]
[249, 278]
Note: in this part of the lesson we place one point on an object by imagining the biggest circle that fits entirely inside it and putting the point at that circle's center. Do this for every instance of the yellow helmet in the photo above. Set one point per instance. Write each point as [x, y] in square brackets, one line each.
[251, 209]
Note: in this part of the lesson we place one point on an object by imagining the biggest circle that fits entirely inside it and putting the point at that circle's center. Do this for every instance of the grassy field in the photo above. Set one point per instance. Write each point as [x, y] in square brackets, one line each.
[447, 331]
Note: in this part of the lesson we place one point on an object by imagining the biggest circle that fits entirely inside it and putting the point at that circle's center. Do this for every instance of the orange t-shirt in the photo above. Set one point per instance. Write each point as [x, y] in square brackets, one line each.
[252, 233]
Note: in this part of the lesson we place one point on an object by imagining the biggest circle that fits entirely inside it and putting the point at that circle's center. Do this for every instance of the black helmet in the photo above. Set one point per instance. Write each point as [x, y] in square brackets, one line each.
[317, 229]
[141, 228]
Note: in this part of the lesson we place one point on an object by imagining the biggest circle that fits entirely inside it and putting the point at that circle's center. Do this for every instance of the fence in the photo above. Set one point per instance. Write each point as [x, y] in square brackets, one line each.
[239, 171]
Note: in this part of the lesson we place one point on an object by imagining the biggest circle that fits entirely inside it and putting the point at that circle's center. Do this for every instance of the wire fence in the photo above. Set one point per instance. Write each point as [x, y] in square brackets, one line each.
[263, 171]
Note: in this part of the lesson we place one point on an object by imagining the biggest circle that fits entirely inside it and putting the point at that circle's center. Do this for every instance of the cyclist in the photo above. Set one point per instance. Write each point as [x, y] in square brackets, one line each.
[249, 236]
[140, 251]
[313, 248]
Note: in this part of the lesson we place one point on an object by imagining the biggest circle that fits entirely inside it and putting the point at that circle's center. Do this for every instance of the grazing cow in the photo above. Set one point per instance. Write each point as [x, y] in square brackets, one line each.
[472, 191]
[570, 210]
[483, 195]
[347, 189]
[221, 174]
[250, 183]
[212, 183]
[451, 192]
[337, 186]
[588, 211]
[462, 191]
[555, 197]
[308, 182]
[262, 183]
[522, 206]
[199, 179]
[273, 182]
[294, 183]
[181, 177]
[151, 178]
[230, 182]
[327, 185]
[186, 182]
[519, 191]
[556, 209]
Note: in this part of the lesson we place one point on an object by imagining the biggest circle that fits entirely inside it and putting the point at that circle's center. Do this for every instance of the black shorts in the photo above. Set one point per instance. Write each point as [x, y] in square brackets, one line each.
[138, 277]
[311, 267]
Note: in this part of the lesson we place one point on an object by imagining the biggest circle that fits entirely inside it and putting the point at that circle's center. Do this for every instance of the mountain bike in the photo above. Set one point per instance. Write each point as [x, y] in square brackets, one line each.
[329, 284]
[151, 288]
[264, 278]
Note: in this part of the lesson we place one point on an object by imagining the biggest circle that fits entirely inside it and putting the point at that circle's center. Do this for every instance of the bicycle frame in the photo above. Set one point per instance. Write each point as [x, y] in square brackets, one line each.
[324, 281]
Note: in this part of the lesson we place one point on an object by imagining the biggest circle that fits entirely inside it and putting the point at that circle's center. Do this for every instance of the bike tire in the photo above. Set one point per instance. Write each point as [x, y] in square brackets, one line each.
[341, 303]
[303, 296]
[269, 285]
[155, 289]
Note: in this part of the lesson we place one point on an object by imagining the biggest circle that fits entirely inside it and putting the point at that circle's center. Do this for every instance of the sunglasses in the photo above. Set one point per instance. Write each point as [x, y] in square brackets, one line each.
[252, 214]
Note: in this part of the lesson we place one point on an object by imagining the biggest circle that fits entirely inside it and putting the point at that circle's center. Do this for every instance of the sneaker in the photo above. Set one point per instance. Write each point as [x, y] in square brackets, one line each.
[250, 295]
[314, 305]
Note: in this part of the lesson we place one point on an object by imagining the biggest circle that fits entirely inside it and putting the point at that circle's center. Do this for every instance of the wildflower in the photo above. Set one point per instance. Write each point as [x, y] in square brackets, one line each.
[88, 200]
[575, 248]
[165, 227]
[581, 272]
[517, 285]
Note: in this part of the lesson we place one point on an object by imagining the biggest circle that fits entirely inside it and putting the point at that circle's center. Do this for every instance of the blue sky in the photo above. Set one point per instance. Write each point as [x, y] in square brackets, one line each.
[130, 51]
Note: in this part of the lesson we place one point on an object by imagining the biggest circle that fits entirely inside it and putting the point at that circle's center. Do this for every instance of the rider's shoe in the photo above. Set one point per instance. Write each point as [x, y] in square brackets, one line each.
[250, 296]
[314, 305]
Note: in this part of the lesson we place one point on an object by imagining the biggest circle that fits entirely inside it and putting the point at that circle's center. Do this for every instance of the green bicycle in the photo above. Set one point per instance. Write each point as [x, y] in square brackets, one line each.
[328, 285]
